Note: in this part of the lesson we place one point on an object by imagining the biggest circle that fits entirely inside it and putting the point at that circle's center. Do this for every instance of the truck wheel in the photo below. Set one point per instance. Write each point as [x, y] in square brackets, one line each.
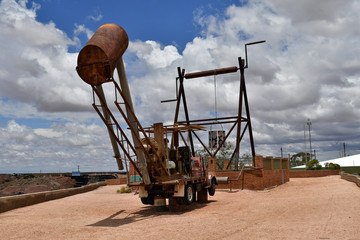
[144, 200]
[212, 187]
[189, 193]
[148, 200]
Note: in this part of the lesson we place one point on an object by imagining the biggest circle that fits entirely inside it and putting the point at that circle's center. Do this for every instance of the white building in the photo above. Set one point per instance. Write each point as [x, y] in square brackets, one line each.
[349, 161]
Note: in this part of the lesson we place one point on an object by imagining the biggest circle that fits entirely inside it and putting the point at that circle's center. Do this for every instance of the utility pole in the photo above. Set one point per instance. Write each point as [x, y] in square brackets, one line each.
[309, 124]
[281, 152]
[344, 150]
[305, 143]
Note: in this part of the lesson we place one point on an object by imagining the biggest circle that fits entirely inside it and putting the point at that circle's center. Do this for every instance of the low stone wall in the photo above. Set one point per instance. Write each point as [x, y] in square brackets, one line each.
[351, 178]
[313, 173]
[13, 202]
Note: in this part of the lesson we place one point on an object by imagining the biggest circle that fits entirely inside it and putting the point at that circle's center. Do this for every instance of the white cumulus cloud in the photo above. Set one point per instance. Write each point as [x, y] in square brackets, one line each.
[308, 68]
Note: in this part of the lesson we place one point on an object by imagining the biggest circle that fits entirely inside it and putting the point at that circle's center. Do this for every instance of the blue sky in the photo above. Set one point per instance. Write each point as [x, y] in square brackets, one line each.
[307, 69]
[168, 22]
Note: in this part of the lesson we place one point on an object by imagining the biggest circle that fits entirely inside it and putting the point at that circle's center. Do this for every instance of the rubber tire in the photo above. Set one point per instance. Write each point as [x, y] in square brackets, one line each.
[144, 200]
[212, 188]
[148, 200]
[190, 194]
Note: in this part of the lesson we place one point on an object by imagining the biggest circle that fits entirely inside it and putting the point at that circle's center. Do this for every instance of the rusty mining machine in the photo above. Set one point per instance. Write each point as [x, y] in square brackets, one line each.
[166, 169]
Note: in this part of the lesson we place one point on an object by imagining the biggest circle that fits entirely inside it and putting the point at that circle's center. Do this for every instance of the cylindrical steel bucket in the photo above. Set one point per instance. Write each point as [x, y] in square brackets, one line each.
[222, 180]
[98, 58]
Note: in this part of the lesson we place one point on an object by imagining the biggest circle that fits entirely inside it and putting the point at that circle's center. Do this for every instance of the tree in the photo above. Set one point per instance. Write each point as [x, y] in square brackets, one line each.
[334, 166]
[313, 165]
[204, 154]
[299, 159]
[223, 154]
[246, 159]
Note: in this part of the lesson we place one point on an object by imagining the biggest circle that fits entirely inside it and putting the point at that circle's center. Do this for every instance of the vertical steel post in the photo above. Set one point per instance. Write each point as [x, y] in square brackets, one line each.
[251, 138]
[182, 93]
[309, 124]
[241, 94]
[305, 144]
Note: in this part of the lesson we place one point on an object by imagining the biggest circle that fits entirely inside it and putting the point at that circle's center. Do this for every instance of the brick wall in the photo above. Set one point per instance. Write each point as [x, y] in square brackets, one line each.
[119, 181]
[257, 178]
[212, 164]
[313, 173]
[134, 175]
[249, 179]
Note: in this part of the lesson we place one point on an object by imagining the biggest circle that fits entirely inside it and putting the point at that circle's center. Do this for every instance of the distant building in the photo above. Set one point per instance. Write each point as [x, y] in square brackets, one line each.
[349, 161]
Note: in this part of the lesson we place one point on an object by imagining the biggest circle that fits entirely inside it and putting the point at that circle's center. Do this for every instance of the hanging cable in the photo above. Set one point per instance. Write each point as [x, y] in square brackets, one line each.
[215, 89]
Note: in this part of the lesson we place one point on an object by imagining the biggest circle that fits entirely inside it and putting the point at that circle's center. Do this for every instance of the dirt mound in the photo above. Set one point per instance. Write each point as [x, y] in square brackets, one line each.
[11, 190]
[37, 188]
[19, 184]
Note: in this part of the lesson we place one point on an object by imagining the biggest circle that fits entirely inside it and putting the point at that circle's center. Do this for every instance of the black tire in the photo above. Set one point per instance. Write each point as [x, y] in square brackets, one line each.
[212, 187]
[144, 200]
[148, 200]
[190, 194]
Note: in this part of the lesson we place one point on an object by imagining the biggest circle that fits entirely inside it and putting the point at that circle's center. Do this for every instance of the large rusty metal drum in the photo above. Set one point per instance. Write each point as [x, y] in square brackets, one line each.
[98, 58]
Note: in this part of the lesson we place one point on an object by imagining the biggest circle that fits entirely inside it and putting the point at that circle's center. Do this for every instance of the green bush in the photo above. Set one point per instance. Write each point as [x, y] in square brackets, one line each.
[124, 189]
[313, 165]
[334, 166]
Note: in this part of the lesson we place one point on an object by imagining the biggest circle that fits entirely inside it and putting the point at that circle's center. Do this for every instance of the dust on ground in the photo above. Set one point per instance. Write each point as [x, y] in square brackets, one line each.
[304, 208]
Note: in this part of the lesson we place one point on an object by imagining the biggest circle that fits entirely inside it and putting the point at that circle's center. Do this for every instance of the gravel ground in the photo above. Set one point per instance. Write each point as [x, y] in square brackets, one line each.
[304, 208]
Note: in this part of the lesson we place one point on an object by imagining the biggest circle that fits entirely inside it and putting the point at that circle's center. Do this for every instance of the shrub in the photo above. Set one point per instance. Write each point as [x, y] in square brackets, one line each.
[318, 167]
[334, 166]
[124, 189]
[313, 165]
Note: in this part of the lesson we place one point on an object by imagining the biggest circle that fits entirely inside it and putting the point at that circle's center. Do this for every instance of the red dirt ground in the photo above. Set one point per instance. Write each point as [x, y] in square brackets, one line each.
[304, 208]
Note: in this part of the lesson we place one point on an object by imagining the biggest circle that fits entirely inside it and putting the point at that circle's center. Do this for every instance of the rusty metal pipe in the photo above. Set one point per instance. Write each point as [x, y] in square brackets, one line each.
[211, 72]
[98, 58]
[130, 114]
